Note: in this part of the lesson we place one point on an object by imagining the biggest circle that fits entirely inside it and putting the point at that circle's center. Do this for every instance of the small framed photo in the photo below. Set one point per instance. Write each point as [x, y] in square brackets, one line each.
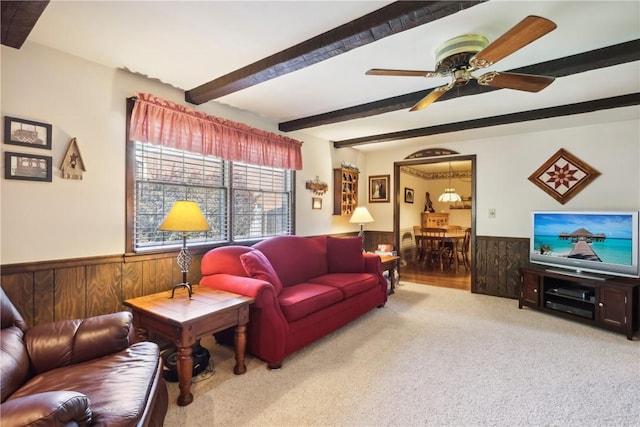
[408, 195]
[378, 188]
[27, 133]
[316, 203]
[28, 167]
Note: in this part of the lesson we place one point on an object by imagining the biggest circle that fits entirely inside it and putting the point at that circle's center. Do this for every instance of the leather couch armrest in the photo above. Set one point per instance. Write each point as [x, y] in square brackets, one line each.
[68, 342]
[52, 408]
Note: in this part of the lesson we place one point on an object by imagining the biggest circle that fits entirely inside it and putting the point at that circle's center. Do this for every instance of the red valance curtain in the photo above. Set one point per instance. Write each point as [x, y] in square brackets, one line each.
[169, 124]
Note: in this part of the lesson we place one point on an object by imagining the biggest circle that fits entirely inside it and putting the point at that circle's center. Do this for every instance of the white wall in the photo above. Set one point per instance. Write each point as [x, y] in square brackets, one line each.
[83, 218]
[504, 163]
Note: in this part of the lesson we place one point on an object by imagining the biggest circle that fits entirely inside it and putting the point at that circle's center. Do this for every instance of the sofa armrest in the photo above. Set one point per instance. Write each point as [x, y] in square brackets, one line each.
[52, 408]
[372, 263]
[268, 329]
[262, 292]
[68, 342]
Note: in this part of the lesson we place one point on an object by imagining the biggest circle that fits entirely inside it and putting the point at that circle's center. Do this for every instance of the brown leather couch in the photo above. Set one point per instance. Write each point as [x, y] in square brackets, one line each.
[78, 373]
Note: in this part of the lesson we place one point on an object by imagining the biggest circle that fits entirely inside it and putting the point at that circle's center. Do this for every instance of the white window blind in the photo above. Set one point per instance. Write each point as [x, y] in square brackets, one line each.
[239, 201]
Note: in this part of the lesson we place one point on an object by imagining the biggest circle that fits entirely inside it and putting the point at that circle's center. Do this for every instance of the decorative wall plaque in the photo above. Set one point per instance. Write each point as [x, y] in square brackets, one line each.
[72, 164]
[563, 176]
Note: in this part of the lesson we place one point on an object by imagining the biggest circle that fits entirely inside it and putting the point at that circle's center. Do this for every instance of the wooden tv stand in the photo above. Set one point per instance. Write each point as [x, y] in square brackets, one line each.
[610, 303]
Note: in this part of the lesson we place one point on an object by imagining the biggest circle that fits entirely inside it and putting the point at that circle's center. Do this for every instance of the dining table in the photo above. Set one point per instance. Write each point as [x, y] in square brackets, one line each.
[452, 236]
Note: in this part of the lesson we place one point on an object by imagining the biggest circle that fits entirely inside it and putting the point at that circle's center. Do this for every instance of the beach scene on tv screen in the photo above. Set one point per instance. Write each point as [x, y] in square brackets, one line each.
[599, 238]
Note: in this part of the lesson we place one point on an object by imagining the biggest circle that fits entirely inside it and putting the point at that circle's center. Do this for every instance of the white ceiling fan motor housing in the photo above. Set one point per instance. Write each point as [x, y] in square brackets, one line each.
[454, 54]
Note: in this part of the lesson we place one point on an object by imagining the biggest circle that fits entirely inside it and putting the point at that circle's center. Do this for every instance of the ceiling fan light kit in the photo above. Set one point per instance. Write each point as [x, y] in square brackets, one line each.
[460, 56]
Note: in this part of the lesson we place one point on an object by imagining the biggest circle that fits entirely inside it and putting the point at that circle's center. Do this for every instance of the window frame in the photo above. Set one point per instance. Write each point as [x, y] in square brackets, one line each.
[130, 188]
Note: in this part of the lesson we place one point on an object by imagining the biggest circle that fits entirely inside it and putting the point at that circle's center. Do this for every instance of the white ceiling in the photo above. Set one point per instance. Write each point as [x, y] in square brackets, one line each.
[188, 43]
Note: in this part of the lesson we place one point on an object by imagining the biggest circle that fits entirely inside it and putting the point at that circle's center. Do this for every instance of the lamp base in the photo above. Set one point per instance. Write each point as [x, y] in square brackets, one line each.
[182, 285]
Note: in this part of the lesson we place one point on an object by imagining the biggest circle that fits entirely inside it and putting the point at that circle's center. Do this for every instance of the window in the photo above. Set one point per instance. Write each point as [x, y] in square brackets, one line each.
[240, 201]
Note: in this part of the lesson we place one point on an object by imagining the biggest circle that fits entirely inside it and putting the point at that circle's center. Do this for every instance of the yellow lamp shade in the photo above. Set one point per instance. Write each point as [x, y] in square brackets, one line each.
[184, 216]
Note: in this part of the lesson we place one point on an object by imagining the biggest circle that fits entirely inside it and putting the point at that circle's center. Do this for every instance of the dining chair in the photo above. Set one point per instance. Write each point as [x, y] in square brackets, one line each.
[462, 254]
[453, 245]
[434, 246]
[417, 235]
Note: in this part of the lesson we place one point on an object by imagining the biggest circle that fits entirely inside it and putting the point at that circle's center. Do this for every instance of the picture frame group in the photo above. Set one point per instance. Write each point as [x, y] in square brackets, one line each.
[32, 134]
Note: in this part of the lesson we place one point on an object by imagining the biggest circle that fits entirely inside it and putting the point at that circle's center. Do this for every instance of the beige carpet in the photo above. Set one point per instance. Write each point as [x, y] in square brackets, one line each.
[431, 357]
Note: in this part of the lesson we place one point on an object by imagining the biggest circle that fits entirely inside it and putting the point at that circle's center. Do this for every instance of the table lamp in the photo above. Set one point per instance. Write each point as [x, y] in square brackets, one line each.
[185, 216]
[361, 216]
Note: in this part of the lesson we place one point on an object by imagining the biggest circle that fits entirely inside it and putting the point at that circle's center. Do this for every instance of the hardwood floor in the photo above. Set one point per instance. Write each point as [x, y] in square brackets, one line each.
[432, 275]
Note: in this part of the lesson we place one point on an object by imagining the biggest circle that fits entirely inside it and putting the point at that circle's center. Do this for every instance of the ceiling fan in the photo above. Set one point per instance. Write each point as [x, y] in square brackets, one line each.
[462, 55]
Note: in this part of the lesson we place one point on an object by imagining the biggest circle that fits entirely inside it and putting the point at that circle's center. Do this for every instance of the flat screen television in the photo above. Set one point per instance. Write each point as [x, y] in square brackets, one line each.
[596, 242]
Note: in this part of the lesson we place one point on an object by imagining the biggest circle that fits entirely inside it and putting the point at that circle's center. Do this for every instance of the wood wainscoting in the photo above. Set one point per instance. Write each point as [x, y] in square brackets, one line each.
[496, 265]
[47, 291]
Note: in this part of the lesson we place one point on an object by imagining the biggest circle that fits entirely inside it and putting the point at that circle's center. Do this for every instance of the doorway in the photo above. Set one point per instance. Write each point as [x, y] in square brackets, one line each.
[418, 176]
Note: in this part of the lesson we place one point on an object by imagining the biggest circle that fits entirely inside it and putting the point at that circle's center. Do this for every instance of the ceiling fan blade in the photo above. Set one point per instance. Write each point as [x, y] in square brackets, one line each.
[526, 82]
[431, 98]
[526, 31]
[402, 73]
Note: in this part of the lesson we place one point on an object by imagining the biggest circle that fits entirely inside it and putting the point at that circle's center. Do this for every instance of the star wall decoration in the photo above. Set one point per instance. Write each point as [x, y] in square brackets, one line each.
[563, 176]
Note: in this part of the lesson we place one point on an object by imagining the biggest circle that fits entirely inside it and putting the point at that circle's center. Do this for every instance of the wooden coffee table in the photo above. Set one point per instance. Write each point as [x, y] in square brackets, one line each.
[185, 321]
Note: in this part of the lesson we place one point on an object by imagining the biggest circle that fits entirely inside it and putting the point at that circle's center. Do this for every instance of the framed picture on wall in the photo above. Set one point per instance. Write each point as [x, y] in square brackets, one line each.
[408, 195]
[29, 167]
[316, 203]
[563, 176]
[378, 188]
[27, 133]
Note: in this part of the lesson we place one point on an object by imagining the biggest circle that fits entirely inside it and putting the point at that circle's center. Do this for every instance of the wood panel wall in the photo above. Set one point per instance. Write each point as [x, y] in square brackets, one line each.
[77, 288]
[496, 265]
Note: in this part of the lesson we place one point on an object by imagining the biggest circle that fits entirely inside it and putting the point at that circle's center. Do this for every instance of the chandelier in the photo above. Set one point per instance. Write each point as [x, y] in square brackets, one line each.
[450, 195]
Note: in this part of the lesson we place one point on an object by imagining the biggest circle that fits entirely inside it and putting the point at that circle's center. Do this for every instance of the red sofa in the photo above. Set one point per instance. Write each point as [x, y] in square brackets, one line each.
[304, 288]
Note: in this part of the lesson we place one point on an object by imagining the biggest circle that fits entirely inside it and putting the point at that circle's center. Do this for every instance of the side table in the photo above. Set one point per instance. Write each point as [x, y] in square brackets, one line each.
[184, 321]
[390, 263]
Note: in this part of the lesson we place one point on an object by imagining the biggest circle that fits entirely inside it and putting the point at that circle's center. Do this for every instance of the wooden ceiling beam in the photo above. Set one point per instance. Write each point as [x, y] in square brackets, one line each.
[392, 19]
[18, 19]
[591, 60]
[523, 116]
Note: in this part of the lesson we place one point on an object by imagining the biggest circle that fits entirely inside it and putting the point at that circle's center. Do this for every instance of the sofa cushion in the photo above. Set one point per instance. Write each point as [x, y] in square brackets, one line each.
[258, 266]
[344, 255]
[224, 259]
[303, 299]
[349, 283]
[296, 259]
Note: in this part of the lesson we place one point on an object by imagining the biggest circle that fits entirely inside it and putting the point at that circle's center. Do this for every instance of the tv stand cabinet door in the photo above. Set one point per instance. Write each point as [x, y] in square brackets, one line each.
[612, 312]
[530, 294]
